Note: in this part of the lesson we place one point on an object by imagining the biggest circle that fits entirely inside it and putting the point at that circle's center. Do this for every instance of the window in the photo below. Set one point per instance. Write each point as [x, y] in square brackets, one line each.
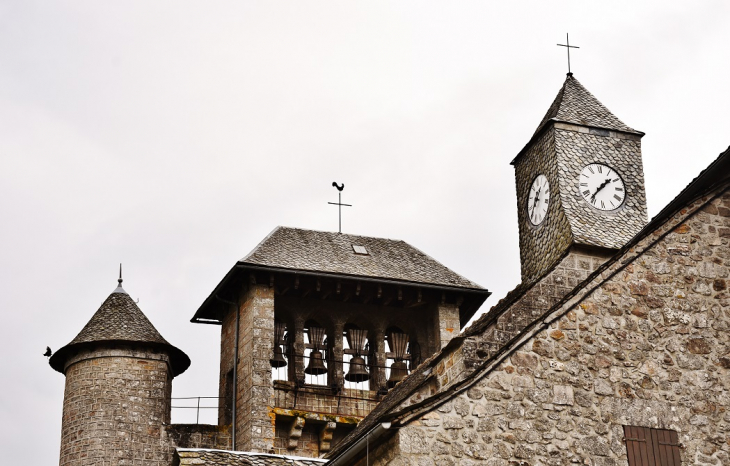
[279, 358]
[315, 354]
[396, 356]
[356, 357]
[651, 447]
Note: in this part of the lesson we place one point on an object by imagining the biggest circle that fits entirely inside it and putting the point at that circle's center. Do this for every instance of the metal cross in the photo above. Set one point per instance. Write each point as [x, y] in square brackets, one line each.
[339, 202]
[568, 46]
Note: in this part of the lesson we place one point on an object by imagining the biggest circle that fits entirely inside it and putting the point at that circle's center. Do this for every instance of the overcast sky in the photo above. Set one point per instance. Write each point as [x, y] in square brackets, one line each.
[173, 136]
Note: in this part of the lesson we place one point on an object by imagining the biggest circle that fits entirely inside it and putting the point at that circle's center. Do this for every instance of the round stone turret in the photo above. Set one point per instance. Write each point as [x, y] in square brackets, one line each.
[119, 374]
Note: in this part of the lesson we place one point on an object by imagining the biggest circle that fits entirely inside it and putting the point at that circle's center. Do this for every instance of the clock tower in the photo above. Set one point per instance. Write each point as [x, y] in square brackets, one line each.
[580, 183]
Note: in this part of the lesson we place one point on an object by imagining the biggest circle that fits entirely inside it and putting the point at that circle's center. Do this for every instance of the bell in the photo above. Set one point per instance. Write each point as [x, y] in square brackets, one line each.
[278, 360]
[316, 364]
[358, 372]
[398, 372]
[279, 339]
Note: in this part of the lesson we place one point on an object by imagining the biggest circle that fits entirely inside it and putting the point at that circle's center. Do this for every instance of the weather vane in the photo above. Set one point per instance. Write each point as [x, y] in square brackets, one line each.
[568, 46]
[339, 202]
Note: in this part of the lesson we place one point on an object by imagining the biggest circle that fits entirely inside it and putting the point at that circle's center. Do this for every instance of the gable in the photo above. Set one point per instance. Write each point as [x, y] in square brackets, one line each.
[645, 343]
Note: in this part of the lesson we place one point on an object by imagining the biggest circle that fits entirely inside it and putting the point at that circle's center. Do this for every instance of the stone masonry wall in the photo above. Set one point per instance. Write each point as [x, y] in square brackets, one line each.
[225, 381]
[578, 146]
[544, 294]
[540, 246]
[448, 323]
[647, 345]
[199, 436]
[116, 401]
[460, 362]
[254, 422]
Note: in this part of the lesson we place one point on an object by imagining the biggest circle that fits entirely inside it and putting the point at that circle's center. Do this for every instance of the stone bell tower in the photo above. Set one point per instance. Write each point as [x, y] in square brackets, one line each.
[580, 184]
[316, 327]
[119, 374]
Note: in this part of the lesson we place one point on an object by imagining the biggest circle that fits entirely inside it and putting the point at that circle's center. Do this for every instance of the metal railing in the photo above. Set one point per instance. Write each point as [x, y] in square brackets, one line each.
[197, 407]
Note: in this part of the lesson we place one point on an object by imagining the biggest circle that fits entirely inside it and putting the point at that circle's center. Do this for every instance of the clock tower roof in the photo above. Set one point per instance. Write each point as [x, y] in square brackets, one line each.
[575, 104]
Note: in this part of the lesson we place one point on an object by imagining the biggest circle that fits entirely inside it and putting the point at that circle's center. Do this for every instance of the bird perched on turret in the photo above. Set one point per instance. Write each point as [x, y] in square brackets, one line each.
[48, 352]
[339, 188]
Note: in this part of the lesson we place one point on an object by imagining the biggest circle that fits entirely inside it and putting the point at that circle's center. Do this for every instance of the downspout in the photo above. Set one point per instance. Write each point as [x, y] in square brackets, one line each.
[235, 371]
[343, 459]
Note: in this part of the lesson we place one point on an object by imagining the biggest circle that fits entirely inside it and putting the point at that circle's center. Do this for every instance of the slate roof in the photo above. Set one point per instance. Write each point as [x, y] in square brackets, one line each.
[203, 457]
[716, 174]
[329, 252]
[575, 104]
[295, 250]
[120, 320]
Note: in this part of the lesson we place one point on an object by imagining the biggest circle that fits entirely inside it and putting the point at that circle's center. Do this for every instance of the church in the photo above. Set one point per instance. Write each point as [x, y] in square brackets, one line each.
[340, 349]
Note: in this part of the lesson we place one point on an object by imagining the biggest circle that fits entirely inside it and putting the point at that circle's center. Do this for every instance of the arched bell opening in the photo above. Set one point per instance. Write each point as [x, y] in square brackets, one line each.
[315, 353]
[397, 355]
[280, 356]
[356, 357]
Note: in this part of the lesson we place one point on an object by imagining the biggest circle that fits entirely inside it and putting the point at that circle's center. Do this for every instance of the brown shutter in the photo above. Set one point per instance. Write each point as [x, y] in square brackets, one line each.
[667, 444]
[651, 447]
[638, 447]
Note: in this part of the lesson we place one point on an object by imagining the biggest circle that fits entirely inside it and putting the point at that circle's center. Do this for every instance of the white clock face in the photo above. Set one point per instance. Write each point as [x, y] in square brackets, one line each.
[538, 200]
[602, 187]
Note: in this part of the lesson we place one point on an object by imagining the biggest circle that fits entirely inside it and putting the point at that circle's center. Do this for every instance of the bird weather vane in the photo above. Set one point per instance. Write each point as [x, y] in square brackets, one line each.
[568, 46]
[339, 203]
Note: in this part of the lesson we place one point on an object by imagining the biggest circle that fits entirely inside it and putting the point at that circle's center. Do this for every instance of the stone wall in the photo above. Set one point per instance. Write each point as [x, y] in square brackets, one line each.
[448, 323]
[254, 429]
[199, 436]
[349, 403]
[540, 246]
[116, 401]
[645, 343]
[542, 295]
[578, 146]
[254, 425]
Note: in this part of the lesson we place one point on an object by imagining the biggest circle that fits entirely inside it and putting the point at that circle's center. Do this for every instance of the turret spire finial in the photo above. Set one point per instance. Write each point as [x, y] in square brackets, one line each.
[119, 288]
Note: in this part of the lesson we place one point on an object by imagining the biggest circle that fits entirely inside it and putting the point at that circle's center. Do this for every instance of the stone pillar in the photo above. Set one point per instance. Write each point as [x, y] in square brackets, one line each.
[115, 404]
[225, 380]
[448, 322]
[255, 428]
[299, 362]
[377, 376]
[338, 376]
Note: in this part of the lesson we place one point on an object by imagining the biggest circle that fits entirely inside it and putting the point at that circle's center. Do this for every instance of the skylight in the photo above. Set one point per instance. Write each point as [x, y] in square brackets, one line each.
[360, 250]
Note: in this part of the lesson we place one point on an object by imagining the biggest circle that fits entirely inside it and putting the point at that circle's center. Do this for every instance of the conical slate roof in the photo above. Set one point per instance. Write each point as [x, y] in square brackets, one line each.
[574, 104]
[120, 320]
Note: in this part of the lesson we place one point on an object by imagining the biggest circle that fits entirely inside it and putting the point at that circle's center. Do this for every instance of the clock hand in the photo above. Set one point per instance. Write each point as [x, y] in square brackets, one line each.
[603, 185]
